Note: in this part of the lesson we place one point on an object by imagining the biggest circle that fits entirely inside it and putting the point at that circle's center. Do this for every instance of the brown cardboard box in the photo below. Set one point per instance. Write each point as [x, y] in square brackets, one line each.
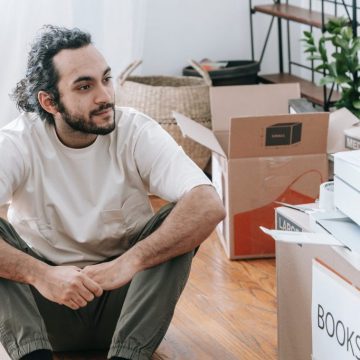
[249, 100]
[254, 166]
[294, 284]
[250, 176]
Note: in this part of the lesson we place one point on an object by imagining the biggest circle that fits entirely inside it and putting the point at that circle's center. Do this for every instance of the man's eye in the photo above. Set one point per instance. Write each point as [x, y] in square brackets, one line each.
[84, 87]
[108, 78]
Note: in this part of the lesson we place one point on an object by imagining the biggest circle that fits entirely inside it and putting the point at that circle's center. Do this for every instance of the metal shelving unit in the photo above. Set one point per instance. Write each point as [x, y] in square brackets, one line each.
[283, 11]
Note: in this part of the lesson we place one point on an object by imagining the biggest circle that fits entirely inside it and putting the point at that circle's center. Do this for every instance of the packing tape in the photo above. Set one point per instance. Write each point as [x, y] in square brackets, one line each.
[326, 197]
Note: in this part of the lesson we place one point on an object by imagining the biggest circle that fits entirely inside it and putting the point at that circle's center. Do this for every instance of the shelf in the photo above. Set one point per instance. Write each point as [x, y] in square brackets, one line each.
[294, 13]
[308, 90]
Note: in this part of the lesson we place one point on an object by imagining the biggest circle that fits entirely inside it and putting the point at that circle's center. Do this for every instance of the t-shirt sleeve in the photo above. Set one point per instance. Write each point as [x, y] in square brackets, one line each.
[163, 165]
[12, 168]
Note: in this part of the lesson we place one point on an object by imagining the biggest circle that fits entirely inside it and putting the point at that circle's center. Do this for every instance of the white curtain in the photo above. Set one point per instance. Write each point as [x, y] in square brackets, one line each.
[117, 27]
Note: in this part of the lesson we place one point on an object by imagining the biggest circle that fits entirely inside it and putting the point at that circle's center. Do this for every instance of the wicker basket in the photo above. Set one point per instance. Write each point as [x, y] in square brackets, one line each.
[158, 96]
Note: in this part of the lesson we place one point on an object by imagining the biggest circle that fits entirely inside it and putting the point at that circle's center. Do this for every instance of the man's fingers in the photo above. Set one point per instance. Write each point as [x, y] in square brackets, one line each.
[92, 286]
[86, 294]
[72, 305]
[79, 300]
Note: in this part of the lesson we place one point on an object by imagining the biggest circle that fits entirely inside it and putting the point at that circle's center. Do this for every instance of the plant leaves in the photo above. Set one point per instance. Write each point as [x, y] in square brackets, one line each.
[338, 41]
[342, 79]
[327, 80]
[314, 57]
[347, 33]
[322, 50]
[342, 66]
[356, 104]
[311, 49]
[321, 67]
[332, 69]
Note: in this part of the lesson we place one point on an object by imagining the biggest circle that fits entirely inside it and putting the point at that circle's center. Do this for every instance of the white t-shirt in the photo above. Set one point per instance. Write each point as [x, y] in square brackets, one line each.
[81, 206]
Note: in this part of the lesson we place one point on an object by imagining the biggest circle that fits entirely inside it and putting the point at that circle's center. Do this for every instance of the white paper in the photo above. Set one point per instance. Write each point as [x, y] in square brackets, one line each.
[335, 316]
[302, 237]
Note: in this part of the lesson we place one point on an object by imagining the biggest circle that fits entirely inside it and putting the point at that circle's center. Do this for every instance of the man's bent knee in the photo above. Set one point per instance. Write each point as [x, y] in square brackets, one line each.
[9, 234]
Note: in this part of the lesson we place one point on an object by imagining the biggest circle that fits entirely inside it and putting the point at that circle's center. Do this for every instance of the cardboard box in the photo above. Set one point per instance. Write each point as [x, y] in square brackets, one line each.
[347, 183]
[335, 315]
[352, 136]
[249, 100]
[294, 284]
[251, 176]
[340, 121]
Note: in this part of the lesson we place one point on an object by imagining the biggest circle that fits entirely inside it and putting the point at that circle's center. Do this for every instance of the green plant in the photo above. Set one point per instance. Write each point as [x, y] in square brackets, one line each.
[342, 66]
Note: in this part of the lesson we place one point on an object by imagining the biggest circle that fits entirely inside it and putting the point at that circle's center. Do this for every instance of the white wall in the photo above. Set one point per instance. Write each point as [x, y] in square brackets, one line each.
[178, 30]
[163, 33]
[109, 21]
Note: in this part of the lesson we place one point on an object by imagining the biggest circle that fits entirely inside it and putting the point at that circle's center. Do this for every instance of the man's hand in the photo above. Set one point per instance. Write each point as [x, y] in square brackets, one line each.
[190, 222]
[67, 285]
[113, 274]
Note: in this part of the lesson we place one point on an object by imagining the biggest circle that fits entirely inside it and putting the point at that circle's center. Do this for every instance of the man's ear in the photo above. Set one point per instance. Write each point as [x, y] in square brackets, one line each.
[47, 103]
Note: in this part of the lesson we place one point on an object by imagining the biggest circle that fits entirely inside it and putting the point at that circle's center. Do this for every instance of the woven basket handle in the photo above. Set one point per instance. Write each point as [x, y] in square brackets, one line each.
[204, 74]
[127, 72]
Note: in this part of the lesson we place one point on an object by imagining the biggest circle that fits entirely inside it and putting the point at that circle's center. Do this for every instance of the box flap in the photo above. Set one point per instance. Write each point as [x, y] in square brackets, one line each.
[299, 237]
[344, 230]
[199, 133]
[339, 121]
[249, 100]
[352, 157]
[278, 135]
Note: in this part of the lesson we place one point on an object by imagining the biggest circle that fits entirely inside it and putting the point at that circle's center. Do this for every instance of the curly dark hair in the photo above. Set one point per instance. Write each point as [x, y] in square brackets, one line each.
[41, 74]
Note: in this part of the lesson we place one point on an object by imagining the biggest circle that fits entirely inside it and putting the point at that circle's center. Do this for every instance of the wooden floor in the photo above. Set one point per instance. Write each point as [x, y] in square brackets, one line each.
[227, 311]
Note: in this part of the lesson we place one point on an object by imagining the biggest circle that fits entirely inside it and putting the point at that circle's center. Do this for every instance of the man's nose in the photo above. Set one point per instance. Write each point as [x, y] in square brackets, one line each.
[104, 94]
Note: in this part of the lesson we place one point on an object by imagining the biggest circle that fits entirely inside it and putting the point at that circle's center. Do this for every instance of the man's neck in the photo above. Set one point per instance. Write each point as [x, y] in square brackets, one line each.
[73, 138]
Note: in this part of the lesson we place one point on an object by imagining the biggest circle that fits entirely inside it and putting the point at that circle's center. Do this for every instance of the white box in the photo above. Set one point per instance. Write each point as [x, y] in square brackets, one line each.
[340, 121]
[335, 315]
[294, 283]
[347, 184]
[352, 137]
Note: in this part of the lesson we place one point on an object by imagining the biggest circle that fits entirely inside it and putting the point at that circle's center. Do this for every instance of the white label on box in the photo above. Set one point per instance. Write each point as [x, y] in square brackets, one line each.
[335, 316]
[283, 223]
[352, 143]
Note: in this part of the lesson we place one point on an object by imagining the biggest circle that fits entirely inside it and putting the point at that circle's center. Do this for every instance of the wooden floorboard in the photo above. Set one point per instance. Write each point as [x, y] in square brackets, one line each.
[227, 311]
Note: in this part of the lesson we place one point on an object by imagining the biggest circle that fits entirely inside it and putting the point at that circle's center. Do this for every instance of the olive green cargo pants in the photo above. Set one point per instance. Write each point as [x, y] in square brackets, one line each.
[130, 321]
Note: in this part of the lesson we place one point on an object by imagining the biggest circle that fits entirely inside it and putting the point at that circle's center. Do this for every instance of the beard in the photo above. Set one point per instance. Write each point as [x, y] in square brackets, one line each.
[88, 126]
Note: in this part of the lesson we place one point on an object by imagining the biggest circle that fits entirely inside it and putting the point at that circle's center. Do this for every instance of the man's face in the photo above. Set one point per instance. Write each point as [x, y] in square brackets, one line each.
[86, 90]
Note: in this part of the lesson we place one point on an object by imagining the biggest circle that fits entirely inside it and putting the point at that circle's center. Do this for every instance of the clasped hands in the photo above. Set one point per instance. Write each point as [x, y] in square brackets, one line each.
[75, 287]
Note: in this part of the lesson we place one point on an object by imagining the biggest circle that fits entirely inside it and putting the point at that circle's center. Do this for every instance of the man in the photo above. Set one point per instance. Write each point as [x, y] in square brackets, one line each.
[84, 263]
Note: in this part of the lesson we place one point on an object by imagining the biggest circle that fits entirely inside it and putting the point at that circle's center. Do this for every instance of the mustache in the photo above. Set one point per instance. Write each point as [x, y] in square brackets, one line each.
[102, 108]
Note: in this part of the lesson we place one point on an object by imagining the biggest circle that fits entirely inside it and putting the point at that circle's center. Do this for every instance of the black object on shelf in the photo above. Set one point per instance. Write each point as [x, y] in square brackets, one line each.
[239, 72]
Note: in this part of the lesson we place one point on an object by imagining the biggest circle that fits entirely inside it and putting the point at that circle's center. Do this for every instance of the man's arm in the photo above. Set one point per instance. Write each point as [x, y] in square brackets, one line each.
[65, 285]
[190, 222]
